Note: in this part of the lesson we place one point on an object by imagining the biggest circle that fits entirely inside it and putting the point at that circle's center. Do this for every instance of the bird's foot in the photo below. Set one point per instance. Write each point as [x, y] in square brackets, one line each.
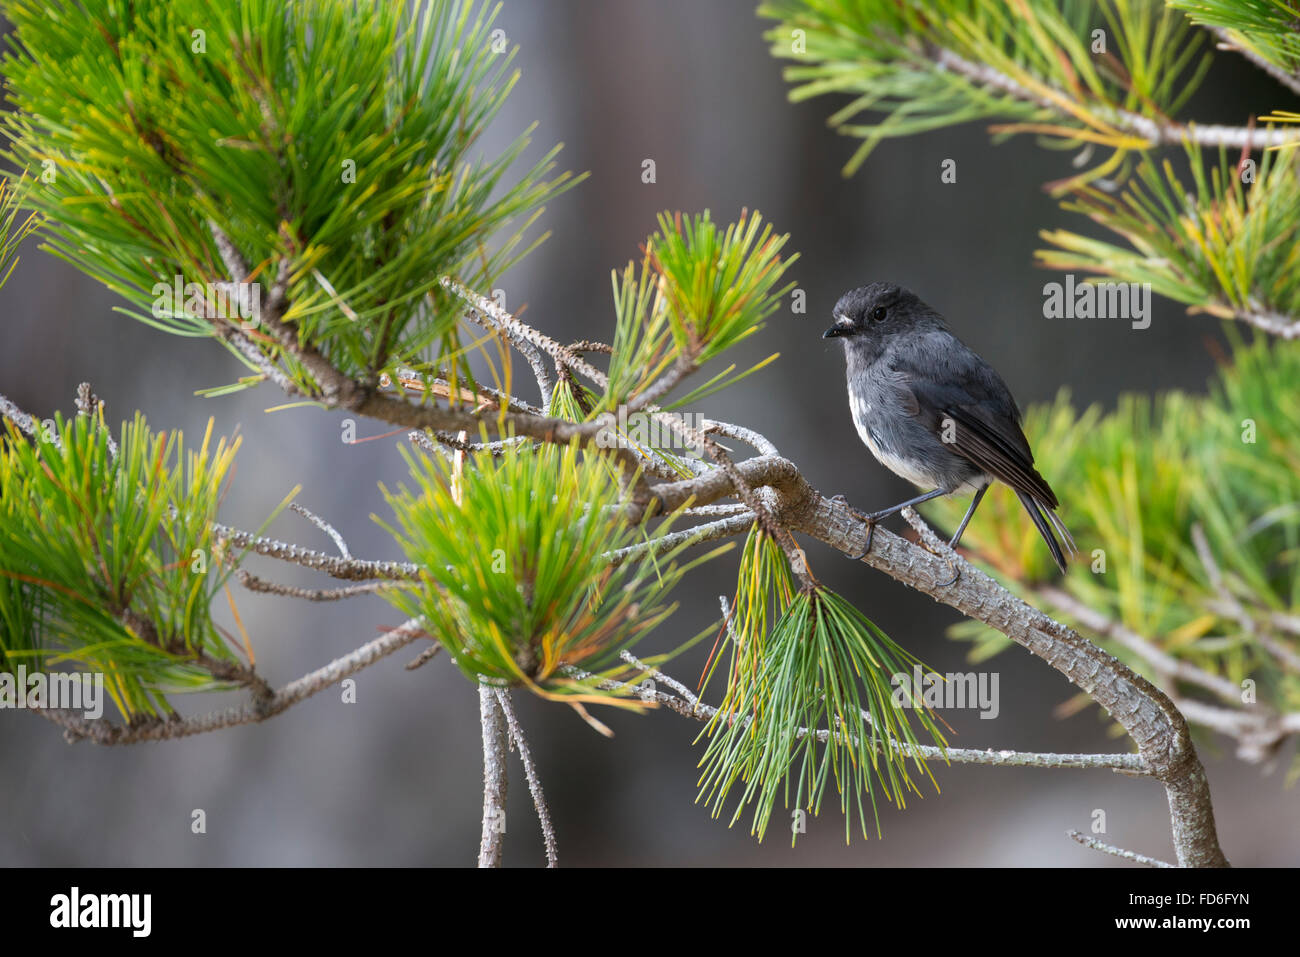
[956, 573]
[868, 520]
[948, 552]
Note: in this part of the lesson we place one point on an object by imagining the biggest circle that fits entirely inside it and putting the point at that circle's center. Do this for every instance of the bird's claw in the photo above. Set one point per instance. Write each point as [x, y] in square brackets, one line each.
[870, 522]
[951, 559]
[956, 573]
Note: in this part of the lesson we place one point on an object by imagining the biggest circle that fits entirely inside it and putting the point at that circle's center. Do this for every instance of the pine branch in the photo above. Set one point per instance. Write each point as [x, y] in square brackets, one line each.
[1162, 662]
[1288, 78]
[1097, 845]
[1265, 32]
[681, 701]
[1223, 246]
[1035, 66]
[492, 718]
[253, 583]
[1153, 131]
[530, 772]
[159, 729]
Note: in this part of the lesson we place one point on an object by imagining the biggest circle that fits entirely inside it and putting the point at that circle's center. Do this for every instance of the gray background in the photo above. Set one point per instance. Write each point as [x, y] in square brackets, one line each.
[395, 778]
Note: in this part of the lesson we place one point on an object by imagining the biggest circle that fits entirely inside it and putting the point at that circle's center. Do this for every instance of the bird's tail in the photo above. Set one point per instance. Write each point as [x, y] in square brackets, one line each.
[1036, 509]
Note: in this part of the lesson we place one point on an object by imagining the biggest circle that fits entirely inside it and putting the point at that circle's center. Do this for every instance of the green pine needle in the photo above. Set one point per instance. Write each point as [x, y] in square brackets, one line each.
[717, 284]
[1223, 246]
[824, 667]
[341, 136]
[92, 545]
[1267, 28]
[883, 54]
[515, 581]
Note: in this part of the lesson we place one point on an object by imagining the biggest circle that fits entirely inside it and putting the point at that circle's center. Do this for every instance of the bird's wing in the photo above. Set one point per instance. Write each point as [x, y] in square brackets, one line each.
[985, 420]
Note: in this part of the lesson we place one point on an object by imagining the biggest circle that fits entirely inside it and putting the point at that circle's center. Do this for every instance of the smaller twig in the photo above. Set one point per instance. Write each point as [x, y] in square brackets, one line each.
[347, 569]
[230, 333]
[105, 732]
[1215, 576]
[660, 388]
[1123, 763]
[278, 294]
[231, 258]
[1097, 845]
[1290, 80]
[932, 542]
[253, 583]
[717, 511]
[497, 448]
[25, 422]
[587, 345]
[1258, 733]
[1287, 658]
[411, 381]
[658, 675]
[741, 489]
[722, 528]
[91, 406]
[324, 526]
[529, 351]
[1155, 130]
[236, 267]
[421, 438]
[516, 330]
[754, 439]
[1287, 623]
[424, 657]
[1231, 605]
[534, 782]
[492, 719]
[1160, 660]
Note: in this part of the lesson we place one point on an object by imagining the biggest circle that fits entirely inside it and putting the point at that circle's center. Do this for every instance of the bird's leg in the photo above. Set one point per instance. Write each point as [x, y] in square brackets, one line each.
[871, 519]
[974, 504]
[894, 509]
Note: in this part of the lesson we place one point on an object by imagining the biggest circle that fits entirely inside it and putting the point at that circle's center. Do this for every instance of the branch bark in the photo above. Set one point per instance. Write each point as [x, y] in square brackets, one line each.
[77, 727]
[1156, 132]
[495, 743]
[1226, 42]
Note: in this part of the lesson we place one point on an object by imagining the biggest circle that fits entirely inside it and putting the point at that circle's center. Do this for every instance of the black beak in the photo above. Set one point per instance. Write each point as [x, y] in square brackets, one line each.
[834, 331]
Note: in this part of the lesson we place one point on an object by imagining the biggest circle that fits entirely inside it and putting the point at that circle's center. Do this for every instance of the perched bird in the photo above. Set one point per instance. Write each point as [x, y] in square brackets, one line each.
[932, 411]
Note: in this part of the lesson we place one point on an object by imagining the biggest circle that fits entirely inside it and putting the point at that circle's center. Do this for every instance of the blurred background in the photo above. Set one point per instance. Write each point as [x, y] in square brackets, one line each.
[395, 779]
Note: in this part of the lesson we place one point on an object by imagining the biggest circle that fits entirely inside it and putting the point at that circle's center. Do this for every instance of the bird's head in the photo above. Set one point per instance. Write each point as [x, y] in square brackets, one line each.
[869, 316]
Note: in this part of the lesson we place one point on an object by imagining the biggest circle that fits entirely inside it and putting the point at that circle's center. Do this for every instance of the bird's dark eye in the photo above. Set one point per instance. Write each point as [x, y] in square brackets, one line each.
[878, 313]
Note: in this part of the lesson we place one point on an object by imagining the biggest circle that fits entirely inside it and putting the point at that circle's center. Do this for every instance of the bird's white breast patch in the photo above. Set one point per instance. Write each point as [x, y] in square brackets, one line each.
[903, 469]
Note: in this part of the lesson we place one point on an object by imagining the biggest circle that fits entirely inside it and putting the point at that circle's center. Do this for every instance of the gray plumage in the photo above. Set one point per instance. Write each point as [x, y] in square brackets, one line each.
[931, 410]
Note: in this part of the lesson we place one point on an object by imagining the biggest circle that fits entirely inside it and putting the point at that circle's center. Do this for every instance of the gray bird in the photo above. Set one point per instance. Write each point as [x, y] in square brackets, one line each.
[932, 411]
